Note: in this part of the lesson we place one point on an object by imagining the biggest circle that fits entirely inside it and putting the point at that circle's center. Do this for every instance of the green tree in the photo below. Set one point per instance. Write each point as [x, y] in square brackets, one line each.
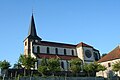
[101, 68]
[27, 62]
[92, 67]
[49, 65]
[54, 65]
[75, 65]
[103, 55]
[116, 67]
[17, 66]
[4, 64]
[86, 68]
[43, 67]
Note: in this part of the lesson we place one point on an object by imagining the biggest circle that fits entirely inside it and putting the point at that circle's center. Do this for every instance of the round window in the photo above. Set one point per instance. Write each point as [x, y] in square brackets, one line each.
[88, 53]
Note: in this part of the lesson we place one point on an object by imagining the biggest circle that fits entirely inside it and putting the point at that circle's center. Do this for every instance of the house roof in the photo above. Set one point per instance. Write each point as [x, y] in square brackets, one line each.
[55, 44]
[114, 54]
[63, 57]
[83, 45]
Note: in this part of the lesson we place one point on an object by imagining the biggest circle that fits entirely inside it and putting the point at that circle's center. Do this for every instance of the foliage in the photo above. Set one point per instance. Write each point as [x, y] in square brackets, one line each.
[116, 66]
[43, 68]
[86, 67]
[17, 66]
[101, 68]
[53, 64]
[27, 61]
[4, 64]
[49, 65]
[104, 54]
[43, 62]
[75, 65]
[93, 67]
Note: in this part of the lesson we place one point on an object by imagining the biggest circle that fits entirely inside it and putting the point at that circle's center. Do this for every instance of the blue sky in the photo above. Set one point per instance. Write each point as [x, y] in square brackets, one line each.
[95, 22]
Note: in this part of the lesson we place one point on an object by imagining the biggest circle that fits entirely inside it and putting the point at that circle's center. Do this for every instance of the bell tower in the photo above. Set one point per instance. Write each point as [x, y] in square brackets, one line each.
[32, 37]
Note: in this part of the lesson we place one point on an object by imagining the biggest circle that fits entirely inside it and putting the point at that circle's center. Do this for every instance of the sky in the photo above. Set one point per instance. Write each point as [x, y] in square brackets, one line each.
[95, 22]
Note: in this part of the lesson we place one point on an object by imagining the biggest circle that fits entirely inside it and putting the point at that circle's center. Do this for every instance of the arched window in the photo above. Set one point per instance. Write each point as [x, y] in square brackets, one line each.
[48, 51]
[72, 51]
[62, 65]
[38, 49]
[56, 50]
[64, 51]
[33, 49]
[96, 56]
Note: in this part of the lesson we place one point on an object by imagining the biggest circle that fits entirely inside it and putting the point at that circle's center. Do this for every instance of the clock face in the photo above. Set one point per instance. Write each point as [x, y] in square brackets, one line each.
[88, 53]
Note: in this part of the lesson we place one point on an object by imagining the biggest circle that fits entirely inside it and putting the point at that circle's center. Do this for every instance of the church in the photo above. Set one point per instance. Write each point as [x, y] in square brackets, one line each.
[38, 48]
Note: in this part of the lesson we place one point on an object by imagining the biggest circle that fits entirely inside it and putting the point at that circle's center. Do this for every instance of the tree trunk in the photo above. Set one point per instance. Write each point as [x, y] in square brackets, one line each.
[88, 74]
[24, 72]
[102, 73]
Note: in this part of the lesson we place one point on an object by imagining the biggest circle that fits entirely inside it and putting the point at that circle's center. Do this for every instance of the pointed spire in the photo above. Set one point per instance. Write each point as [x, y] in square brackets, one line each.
[32, 30]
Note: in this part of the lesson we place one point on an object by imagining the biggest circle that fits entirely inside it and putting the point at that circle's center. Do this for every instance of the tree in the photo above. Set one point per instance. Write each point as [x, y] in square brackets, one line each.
[116, 67]
[49, 65]
[86, 68]
[17, 66]
[43, 67]
[101, 68]
[75, 65]
[27, 62]
[53, 65]
[104, 54]
[4, 64]
[92, 67]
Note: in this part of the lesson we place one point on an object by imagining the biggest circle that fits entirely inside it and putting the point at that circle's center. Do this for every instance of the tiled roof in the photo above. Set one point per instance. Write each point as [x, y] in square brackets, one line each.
[114, 54]
[55, 44]
[83, 45]
[63, 57]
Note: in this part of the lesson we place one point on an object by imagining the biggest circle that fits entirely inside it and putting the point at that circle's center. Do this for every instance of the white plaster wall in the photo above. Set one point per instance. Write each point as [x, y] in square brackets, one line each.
[52, 50]
[61, 51]
[80, 53]
[108, 68]
[75, 52]
[26, 47]
[43, 49]
[68, 52]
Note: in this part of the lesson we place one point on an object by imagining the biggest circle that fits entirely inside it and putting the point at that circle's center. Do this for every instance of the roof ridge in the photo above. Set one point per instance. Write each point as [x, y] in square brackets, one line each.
[114, 54]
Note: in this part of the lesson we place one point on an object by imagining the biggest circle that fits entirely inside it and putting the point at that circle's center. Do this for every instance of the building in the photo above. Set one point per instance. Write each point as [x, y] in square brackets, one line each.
[108, 60]
[37, 48]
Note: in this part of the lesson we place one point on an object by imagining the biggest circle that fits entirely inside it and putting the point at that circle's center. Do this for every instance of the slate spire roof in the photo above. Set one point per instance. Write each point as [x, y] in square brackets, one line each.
[32, 30]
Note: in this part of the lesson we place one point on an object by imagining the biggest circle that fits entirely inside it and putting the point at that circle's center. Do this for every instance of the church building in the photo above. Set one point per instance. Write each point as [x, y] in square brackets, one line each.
[38, 48]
